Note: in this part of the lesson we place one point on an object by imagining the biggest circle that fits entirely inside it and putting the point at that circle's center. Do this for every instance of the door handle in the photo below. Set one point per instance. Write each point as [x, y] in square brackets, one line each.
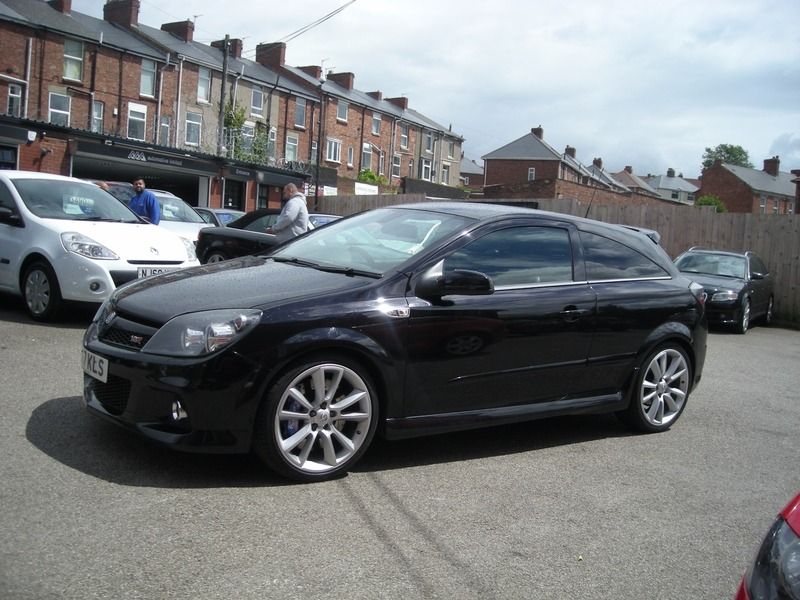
[571, 314]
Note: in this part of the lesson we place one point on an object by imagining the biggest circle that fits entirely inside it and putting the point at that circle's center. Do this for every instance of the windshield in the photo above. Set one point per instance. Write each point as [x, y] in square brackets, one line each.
[376, 241]
[71, 201]
[713, 264]
[175, 209]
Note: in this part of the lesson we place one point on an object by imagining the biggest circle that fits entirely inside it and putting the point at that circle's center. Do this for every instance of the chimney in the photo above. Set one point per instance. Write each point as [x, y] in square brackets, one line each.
[271, 55]
[629, 169]
[234, 46]
[313, 70]
[772, 165]
[377, 95]
[62, 6]
[598, 162]
[345, 80]
[401, 102]
[183, 30]
[538, 132]
[569, 151]
[122, 12]
[670, 172]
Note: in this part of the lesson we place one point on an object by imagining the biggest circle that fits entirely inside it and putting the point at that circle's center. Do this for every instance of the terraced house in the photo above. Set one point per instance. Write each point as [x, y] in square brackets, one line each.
[112, 98]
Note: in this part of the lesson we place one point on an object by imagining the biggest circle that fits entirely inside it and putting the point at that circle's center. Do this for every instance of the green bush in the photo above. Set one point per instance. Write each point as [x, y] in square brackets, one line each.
[709, 200]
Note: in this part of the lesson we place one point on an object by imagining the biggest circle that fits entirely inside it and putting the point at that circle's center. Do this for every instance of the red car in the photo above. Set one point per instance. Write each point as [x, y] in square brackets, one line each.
[775, 572]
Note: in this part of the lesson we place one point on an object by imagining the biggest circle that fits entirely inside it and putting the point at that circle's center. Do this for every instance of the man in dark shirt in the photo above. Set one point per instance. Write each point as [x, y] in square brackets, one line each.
[145, 203]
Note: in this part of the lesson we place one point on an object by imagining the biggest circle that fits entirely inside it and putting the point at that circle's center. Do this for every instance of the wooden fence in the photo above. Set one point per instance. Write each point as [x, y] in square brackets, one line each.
[775, 238]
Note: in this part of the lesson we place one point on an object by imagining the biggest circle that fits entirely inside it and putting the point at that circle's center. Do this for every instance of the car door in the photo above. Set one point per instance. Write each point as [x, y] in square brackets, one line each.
[526, 342]
[760, 284]
[13, 241]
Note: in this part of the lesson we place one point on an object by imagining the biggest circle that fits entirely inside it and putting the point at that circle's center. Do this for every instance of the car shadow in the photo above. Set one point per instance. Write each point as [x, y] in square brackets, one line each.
[62, 429]
[74, 316]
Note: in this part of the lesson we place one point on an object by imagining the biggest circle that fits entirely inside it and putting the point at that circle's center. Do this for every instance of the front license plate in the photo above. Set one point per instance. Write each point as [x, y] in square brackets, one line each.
[95, 366]
[147, 271]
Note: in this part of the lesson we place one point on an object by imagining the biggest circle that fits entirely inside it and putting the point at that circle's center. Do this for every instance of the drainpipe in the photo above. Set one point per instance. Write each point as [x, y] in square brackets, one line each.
[269, 116]
[319, 145]
[160, 95]
[28, 53]
[119, 92]
[41, 77]
[221, 124]
[178, 101]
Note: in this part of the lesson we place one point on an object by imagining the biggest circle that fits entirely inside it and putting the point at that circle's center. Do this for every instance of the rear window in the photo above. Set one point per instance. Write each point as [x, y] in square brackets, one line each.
[608, 259]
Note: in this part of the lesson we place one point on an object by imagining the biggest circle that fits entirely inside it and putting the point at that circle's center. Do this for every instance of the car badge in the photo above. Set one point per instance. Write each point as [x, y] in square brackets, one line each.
[110, 317]
[136, 340]
[154, 250]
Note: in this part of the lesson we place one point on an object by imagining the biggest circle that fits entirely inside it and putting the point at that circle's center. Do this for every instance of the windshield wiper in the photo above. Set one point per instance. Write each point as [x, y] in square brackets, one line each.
[350, 271]
[105, 220]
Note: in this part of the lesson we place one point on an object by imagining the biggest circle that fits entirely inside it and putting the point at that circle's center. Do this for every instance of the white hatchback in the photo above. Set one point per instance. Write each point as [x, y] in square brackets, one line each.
[66, 239]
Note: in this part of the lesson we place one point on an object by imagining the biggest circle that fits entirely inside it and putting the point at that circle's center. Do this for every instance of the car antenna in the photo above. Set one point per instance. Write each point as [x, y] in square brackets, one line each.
[586, 216]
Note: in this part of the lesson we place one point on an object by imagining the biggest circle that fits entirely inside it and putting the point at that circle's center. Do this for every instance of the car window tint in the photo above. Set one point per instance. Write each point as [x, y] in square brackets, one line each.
[261, 223]
[207, 217]
[608, 259]
[757, 266]
[518, 256]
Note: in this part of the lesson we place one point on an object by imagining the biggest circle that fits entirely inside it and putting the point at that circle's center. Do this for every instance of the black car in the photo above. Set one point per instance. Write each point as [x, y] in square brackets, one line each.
[739, 286]
[405, 321]
[246, 235]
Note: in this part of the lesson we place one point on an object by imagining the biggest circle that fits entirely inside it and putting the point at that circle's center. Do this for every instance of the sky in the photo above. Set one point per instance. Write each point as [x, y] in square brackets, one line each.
[649, 85]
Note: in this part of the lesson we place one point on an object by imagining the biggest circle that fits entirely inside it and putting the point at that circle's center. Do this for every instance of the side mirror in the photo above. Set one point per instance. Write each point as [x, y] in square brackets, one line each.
[434, 284]
[756, 275]
[9, 216]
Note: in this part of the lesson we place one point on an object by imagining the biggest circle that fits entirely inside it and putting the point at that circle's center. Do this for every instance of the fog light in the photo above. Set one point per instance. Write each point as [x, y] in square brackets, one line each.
[94, 286]
[178, 413]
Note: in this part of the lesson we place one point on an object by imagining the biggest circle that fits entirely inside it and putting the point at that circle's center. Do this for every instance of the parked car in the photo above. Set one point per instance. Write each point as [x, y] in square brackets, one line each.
[775, 572]
[304, 354]
[218, 217]
[740, 288]
[64, 239]
[178, 216]
[246, 235]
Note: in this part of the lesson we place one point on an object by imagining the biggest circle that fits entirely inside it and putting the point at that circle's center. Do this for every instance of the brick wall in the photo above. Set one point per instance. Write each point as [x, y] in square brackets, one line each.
[737, 196]
[516, 171]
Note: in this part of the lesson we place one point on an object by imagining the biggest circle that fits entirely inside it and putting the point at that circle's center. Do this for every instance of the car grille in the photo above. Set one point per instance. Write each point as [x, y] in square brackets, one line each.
[120, 277]
[124, 338]
[112, 395]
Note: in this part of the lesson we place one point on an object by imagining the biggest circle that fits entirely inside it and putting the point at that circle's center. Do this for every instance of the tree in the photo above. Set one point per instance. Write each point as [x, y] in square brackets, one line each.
[727, 153]
[710, 200]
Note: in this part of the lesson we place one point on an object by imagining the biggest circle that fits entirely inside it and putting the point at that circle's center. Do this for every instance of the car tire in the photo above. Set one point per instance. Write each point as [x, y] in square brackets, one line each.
[660, 391]
[310, 435]
[744, 317]
[215, 256]
[767, 319]
[41, 292]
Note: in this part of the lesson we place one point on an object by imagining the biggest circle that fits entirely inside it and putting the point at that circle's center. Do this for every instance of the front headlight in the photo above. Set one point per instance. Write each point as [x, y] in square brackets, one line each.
[775, 574]
[197, 334]
[725, 296]
[86, 246]
[189, 246]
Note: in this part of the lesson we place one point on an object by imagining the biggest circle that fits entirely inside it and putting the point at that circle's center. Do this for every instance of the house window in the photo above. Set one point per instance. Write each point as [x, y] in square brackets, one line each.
[14, 100]
[396, 165]
[425, 169]
[334, 150]
[248, 135]
[291, 147]
[98, 109]
[775, 206]
[762, 204]
[300, 112]
[351, 153]
[147, 84]
[59, 109]
[194, 128]
[446, 174]
[381, 161]
[137, 119]
[73, 60]
[8, 160]
[257, 102]
[674, 195]
[271, 141]
[341, 110]
[531, 173]
[313, 159]
[451, 149]
[790, 208]
[403, 136]
[376, 124]
[366, 157]
[429, 142]
[204, 85]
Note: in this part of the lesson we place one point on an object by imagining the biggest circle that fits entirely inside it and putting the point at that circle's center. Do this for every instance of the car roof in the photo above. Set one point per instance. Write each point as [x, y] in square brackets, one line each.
[16, 174]
[699, 250]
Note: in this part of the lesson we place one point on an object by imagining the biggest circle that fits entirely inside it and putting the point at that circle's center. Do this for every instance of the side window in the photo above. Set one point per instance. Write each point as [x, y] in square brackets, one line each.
[758, 266]
[518, 256]
[609, 259]
[261, 223]
[6, 199]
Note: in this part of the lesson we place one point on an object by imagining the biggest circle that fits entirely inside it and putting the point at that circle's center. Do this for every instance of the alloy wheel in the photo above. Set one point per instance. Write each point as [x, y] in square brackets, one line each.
[664, 387]
[37, 291]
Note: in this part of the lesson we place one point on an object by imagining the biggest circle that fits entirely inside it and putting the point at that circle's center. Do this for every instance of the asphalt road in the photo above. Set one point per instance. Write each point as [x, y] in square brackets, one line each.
[569, 508]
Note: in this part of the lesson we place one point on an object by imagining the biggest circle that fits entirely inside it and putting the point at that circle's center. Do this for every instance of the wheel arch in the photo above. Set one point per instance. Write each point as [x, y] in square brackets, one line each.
[27, 262]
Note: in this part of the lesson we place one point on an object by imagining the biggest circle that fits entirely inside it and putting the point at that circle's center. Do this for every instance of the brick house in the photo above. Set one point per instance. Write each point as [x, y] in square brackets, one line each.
[673, 187]
[742, 189]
